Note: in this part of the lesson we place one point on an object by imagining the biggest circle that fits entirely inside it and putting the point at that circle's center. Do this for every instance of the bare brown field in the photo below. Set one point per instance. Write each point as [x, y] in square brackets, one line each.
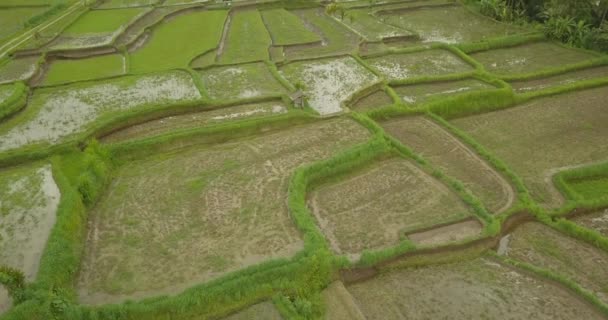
[529, 58]
[425, 63]
[561, 79]
[375, 207]
[456, 232]
[425, 92]
[454, 158]
[29, 199]
[339, 303]
[195, 120]
[372, 101]
[475, 289]
[544, 247]
[597, 221]
[545, 136]
[176, 219]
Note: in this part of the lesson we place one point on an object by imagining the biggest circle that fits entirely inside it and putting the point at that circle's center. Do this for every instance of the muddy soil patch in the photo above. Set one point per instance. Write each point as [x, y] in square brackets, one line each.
[28, 203]
[529, 58]
[5, 300]
[18, 69]
[451, 24]
[375, 207]
[456, 232]
[537, 244]
[339, 304]
[196, 120]
[418, 64]
[56, 113]
[476, 289]
[558, 80]
[426, 92]
[597, 221]
[328, 83]
[372, 101]
[171, 221]
[241, 82]
[564, 131]
[454, 158]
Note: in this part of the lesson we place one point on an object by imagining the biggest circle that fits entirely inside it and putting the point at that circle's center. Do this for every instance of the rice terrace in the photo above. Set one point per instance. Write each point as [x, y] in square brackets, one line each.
[303, 159]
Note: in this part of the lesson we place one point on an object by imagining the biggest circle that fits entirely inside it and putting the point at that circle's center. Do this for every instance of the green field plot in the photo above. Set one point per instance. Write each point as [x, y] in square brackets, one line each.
[28, 209]
[126, 3]
[370, 27]
[454, 24]
[539, 245]
[171, 221]
[530, 58]
[597, 221]
[247, 39]
[264, 310]
[328, 83]
[419, 64]
[372, 101]
[28, 3]
[176, 42]
[65, 71]
[561, 79]
[139, 32]
[55, 113]
[454, 158]
[591, 188]
[102, 21]
[198, 119]
[96, 28]
[18, 69]
[374, 208]
[474, 289]
[241, 82]
[426, 92]
[12, 20]
[564, 131]
[287, 29]
[49, 33]
[337, 39]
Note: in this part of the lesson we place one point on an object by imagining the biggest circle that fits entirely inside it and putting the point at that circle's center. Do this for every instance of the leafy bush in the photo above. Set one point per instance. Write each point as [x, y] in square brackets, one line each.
[568, 30]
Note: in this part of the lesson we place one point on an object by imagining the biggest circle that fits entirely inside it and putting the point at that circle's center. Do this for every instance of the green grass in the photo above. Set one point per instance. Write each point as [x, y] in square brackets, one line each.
[287, 29]
[174, 44]
[248, 40]
[102, 21]
[65, 71]
[592, 188]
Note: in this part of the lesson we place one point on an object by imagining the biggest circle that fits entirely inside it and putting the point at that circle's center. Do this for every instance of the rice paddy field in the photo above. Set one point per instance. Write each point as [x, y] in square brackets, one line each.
[264, 159]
